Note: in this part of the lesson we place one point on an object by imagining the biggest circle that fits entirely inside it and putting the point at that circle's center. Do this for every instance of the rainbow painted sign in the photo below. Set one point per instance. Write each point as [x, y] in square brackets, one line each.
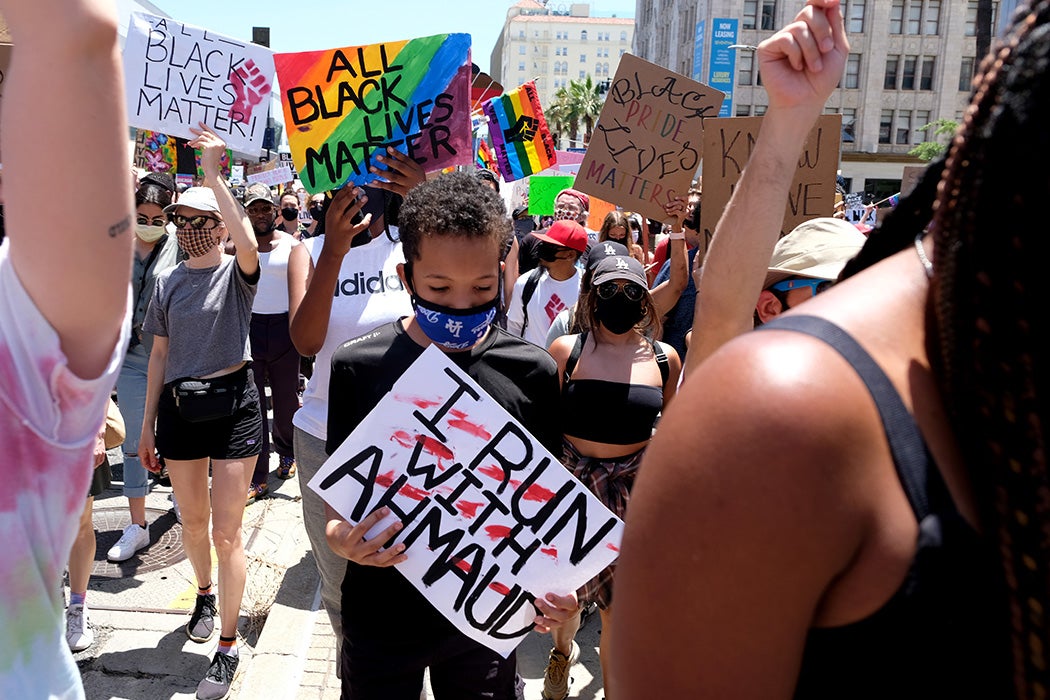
[520, 136]
[342, 107]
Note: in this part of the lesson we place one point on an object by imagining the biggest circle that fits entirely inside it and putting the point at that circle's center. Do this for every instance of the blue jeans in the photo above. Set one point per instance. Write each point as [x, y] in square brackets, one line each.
[131, 397]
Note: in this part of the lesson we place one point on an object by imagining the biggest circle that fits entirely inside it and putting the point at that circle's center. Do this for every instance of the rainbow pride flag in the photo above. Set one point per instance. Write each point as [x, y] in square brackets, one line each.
[342, 107]
[519, 132]
[486, 160]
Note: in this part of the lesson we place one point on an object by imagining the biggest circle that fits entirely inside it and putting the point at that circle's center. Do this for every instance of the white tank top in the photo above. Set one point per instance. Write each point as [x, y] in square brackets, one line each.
[272, 294]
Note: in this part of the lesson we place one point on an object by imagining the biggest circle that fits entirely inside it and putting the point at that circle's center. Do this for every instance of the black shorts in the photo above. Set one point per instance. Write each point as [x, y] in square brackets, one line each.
[231, 437]
[100, 479]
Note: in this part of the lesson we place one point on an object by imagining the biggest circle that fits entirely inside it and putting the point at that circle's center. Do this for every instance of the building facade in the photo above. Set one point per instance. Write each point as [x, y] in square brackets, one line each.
[554, 43]
[910, 64]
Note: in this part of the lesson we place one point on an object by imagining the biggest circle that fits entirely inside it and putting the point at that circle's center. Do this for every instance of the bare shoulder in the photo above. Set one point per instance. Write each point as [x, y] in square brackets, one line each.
[562, 347]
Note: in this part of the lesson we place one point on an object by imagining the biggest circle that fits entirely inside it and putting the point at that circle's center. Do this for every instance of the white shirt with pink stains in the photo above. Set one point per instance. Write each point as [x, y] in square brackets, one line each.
[49, 419]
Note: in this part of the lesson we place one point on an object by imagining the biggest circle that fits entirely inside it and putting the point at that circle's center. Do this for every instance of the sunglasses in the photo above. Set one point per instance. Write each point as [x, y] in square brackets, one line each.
[816, 285]
[197, 221]
[607, 290]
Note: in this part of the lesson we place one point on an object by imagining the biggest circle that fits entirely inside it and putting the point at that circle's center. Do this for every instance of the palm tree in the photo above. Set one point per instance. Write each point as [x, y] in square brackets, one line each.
[577, 104]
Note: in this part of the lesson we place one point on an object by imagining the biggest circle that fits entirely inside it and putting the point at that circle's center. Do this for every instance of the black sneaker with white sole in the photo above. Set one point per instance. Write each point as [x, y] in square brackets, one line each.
[201, 626]
[216, 683]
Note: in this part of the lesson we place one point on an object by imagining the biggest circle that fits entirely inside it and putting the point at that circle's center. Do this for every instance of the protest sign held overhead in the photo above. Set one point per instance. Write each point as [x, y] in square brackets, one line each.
[491, 520]
[520, 136]
[728, 143]
[177, 75]
[155, 152]
[648, 141]
[342, 107]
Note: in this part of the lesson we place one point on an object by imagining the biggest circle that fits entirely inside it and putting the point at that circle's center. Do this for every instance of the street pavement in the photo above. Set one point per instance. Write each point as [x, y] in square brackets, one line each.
[139, 609]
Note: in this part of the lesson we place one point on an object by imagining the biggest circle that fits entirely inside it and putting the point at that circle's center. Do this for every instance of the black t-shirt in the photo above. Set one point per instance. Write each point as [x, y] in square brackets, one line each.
[521, 377]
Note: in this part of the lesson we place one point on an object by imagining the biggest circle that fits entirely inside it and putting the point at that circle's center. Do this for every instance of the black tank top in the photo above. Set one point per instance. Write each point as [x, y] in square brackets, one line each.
[944, 633]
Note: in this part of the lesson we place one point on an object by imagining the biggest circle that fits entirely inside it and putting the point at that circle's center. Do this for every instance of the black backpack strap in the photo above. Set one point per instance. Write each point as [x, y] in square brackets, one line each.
[661, 360]
[574, 356]
[907, 446]
[526, 295]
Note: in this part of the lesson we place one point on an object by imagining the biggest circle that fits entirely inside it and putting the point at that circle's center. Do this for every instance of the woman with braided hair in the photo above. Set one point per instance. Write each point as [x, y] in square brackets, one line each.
[861, 485]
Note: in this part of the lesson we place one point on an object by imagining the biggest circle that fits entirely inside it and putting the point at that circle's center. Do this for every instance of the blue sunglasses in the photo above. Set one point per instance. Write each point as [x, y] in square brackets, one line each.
[817, 285]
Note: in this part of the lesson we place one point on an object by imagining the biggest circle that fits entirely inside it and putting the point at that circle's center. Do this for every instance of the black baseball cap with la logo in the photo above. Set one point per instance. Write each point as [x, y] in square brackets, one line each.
[619, 267]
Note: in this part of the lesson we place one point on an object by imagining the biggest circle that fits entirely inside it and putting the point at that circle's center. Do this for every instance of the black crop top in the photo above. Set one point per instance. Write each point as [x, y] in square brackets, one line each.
[944, 633]
[614, 413]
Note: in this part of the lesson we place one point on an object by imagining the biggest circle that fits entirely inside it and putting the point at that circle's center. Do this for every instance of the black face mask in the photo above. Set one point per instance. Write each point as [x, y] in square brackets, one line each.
[619, 314]
[3, 232]
[548, 252]
[317, 212]
[290, 213]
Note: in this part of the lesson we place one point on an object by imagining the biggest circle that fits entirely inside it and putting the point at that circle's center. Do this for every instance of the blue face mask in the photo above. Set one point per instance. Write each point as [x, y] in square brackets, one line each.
[453, 329]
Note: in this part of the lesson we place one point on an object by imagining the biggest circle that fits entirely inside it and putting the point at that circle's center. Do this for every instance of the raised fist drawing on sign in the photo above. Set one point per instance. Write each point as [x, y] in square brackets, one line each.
[251, 87]
[523, 130]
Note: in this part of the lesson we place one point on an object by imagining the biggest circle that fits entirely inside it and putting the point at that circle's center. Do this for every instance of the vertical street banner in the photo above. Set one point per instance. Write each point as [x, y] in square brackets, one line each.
[520, 137]
[491, 520]
[177, 75]
[728, 144]
[648, 140]
[698, 51]
[342, 107]
[155, 152]
[722, 66]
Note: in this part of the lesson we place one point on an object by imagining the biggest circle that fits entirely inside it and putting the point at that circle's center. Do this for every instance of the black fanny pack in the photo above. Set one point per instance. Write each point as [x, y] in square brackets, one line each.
[201, 400]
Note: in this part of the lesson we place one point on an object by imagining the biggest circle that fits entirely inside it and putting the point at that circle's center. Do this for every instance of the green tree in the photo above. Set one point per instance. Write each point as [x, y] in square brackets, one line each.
[575, 105]
[928, 150]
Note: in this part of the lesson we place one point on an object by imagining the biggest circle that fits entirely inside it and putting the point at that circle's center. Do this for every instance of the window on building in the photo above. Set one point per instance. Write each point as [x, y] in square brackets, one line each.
[904, 126]
[914, 23]
[622, 52]
[908, 76]
[521, 66]
[583, 74]
[849, 120]
[750, 14]
[605, 68]
[521, 33]
[885, 126]
[971, 18]
[760, 110]
[889, 82]
[746, 71]
[769, 13]
[583, 58]
[933, 17]
[743, 110]
[966, 74]
[856, 8]
[852, 81]
[583, 35]
[926, 77]
[897, 17]
[922, 118]
[521, 49]
[623, 36]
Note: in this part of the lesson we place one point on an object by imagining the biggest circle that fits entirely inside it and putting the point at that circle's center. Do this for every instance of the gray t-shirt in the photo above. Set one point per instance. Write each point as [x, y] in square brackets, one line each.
[205, 314]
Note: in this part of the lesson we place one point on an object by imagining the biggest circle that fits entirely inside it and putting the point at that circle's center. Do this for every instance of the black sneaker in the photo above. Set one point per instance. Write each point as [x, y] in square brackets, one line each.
[216, 683]
[201, 626]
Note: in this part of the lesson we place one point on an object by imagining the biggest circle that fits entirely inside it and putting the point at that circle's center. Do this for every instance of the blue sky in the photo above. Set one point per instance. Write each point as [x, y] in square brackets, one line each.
[302, 25]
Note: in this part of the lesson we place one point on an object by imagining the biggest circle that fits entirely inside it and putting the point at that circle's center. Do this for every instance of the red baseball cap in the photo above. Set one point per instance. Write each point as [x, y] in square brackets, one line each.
[565, 233]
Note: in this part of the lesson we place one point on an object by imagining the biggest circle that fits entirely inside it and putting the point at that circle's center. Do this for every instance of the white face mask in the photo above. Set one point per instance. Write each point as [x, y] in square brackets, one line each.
[150, 234]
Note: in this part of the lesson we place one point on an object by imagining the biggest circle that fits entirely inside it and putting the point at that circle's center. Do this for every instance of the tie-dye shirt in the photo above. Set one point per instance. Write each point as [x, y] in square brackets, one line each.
[49, 419]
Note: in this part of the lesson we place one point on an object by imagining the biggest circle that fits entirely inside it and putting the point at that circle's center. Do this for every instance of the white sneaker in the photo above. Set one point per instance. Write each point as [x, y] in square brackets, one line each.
[135, 537]
[175, 508]
[79, 634]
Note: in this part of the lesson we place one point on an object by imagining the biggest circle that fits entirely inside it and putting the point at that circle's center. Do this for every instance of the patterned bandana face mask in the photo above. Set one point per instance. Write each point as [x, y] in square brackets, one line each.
[453, 329]
[196, 242]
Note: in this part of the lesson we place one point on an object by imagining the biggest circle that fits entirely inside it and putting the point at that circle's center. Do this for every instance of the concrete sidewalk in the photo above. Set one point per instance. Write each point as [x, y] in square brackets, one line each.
[139, 610]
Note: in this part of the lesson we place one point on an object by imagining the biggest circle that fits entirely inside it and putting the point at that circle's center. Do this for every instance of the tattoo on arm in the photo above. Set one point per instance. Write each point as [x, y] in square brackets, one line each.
[120, 227]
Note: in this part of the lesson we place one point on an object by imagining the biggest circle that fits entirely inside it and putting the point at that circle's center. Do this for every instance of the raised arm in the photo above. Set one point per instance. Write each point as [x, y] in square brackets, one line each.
[800, 66]
[76, 270]
[242, 235]
[666, 294]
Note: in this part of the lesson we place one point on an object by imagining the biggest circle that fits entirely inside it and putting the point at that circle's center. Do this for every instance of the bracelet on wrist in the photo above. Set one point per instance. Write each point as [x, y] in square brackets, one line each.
[676, 235]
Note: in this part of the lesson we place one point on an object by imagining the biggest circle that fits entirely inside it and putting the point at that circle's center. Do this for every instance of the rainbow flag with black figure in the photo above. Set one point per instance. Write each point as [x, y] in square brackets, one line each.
[342, 107]
[519, 132]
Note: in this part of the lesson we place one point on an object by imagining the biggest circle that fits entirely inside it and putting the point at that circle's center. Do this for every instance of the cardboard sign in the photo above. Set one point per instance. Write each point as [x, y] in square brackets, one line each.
[344, 106]
[728, 144]
[542, 191]
[155, 152]
[491, 520]
[177, 75]
[910, 178]
[648, 141]
[5, 63]
[277, 175]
